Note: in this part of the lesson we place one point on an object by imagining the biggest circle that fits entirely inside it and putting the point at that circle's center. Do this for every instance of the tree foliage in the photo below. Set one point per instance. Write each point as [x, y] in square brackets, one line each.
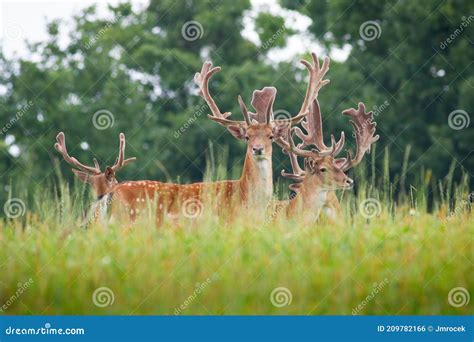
[138, 65]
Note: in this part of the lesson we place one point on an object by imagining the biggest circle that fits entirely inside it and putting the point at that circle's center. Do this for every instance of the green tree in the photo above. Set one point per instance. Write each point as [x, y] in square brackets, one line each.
[135, 69]
[417, 56]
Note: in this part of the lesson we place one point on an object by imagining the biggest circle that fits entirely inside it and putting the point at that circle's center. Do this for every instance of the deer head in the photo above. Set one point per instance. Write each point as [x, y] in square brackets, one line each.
[322, 170]
[101, 182]
[259, 128]
[321, 167]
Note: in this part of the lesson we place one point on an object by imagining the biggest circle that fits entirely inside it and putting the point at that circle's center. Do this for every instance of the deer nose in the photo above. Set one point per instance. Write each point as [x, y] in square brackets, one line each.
[257, 150]
[349, 182]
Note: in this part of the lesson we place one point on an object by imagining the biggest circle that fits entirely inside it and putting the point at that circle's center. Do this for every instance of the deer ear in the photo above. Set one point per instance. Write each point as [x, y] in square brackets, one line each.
[280, 130]
[237, 131]
[86, 178]
[311, 164]
[109, 173]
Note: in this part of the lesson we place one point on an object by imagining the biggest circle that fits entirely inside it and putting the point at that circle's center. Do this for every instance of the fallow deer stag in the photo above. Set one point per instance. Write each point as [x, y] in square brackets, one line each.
[255, 186]
[259, 129]
[102, 183]
[323, 172]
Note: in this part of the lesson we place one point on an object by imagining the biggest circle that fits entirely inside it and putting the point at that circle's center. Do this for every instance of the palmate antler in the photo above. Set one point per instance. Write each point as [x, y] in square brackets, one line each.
[316, 82]
[313, 126]
[364, 130]
[120, 162]
[262, 102]
[297, 174]
[312, 122]
[362, 123]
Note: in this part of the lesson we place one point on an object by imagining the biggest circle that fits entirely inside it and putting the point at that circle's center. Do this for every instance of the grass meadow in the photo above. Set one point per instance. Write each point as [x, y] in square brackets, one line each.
[394, 252]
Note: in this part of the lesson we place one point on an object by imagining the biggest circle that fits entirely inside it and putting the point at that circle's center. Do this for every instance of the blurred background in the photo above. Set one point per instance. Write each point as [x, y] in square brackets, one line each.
[94, 70]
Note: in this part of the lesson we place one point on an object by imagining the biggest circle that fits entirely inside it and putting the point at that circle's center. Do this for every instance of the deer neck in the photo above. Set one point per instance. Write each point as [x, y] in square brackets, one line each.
[257, 178]
[310, 199]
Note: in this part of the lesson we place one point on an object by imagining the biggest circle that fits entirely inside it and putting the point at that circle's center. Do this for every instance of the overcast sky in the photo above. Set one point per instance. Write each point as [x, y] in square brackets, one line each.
[22, 20]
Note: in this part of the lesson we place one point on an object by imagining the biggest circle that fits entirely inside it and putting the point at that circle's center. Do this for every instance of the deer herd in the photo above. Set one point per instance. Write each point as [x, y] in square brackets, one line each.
[314, 184]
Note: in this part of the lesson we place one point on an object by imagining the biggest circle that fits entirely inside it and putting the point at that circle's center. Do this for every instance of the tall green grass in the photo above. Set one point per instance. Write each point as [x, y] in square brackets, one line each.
[418, 244]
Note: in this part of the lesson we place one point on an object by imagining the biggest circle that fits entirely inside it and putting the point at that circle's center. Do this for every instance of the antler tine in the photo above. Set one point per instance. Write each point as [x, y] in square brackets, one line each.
[96, 163]
[269, 112]
[120, 161]
[297, 172]
[202, 81]
[313, 126]
[244, 110]
[364, 130]
[289, 146]
[316, 82]
[60, 146]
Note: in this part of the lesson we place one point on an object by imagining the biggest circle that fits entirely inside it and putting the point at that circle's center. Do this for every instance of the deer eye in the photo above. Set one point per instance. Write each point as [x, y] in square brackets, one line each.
[271, 137]
[247, 138]
[323, 169]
